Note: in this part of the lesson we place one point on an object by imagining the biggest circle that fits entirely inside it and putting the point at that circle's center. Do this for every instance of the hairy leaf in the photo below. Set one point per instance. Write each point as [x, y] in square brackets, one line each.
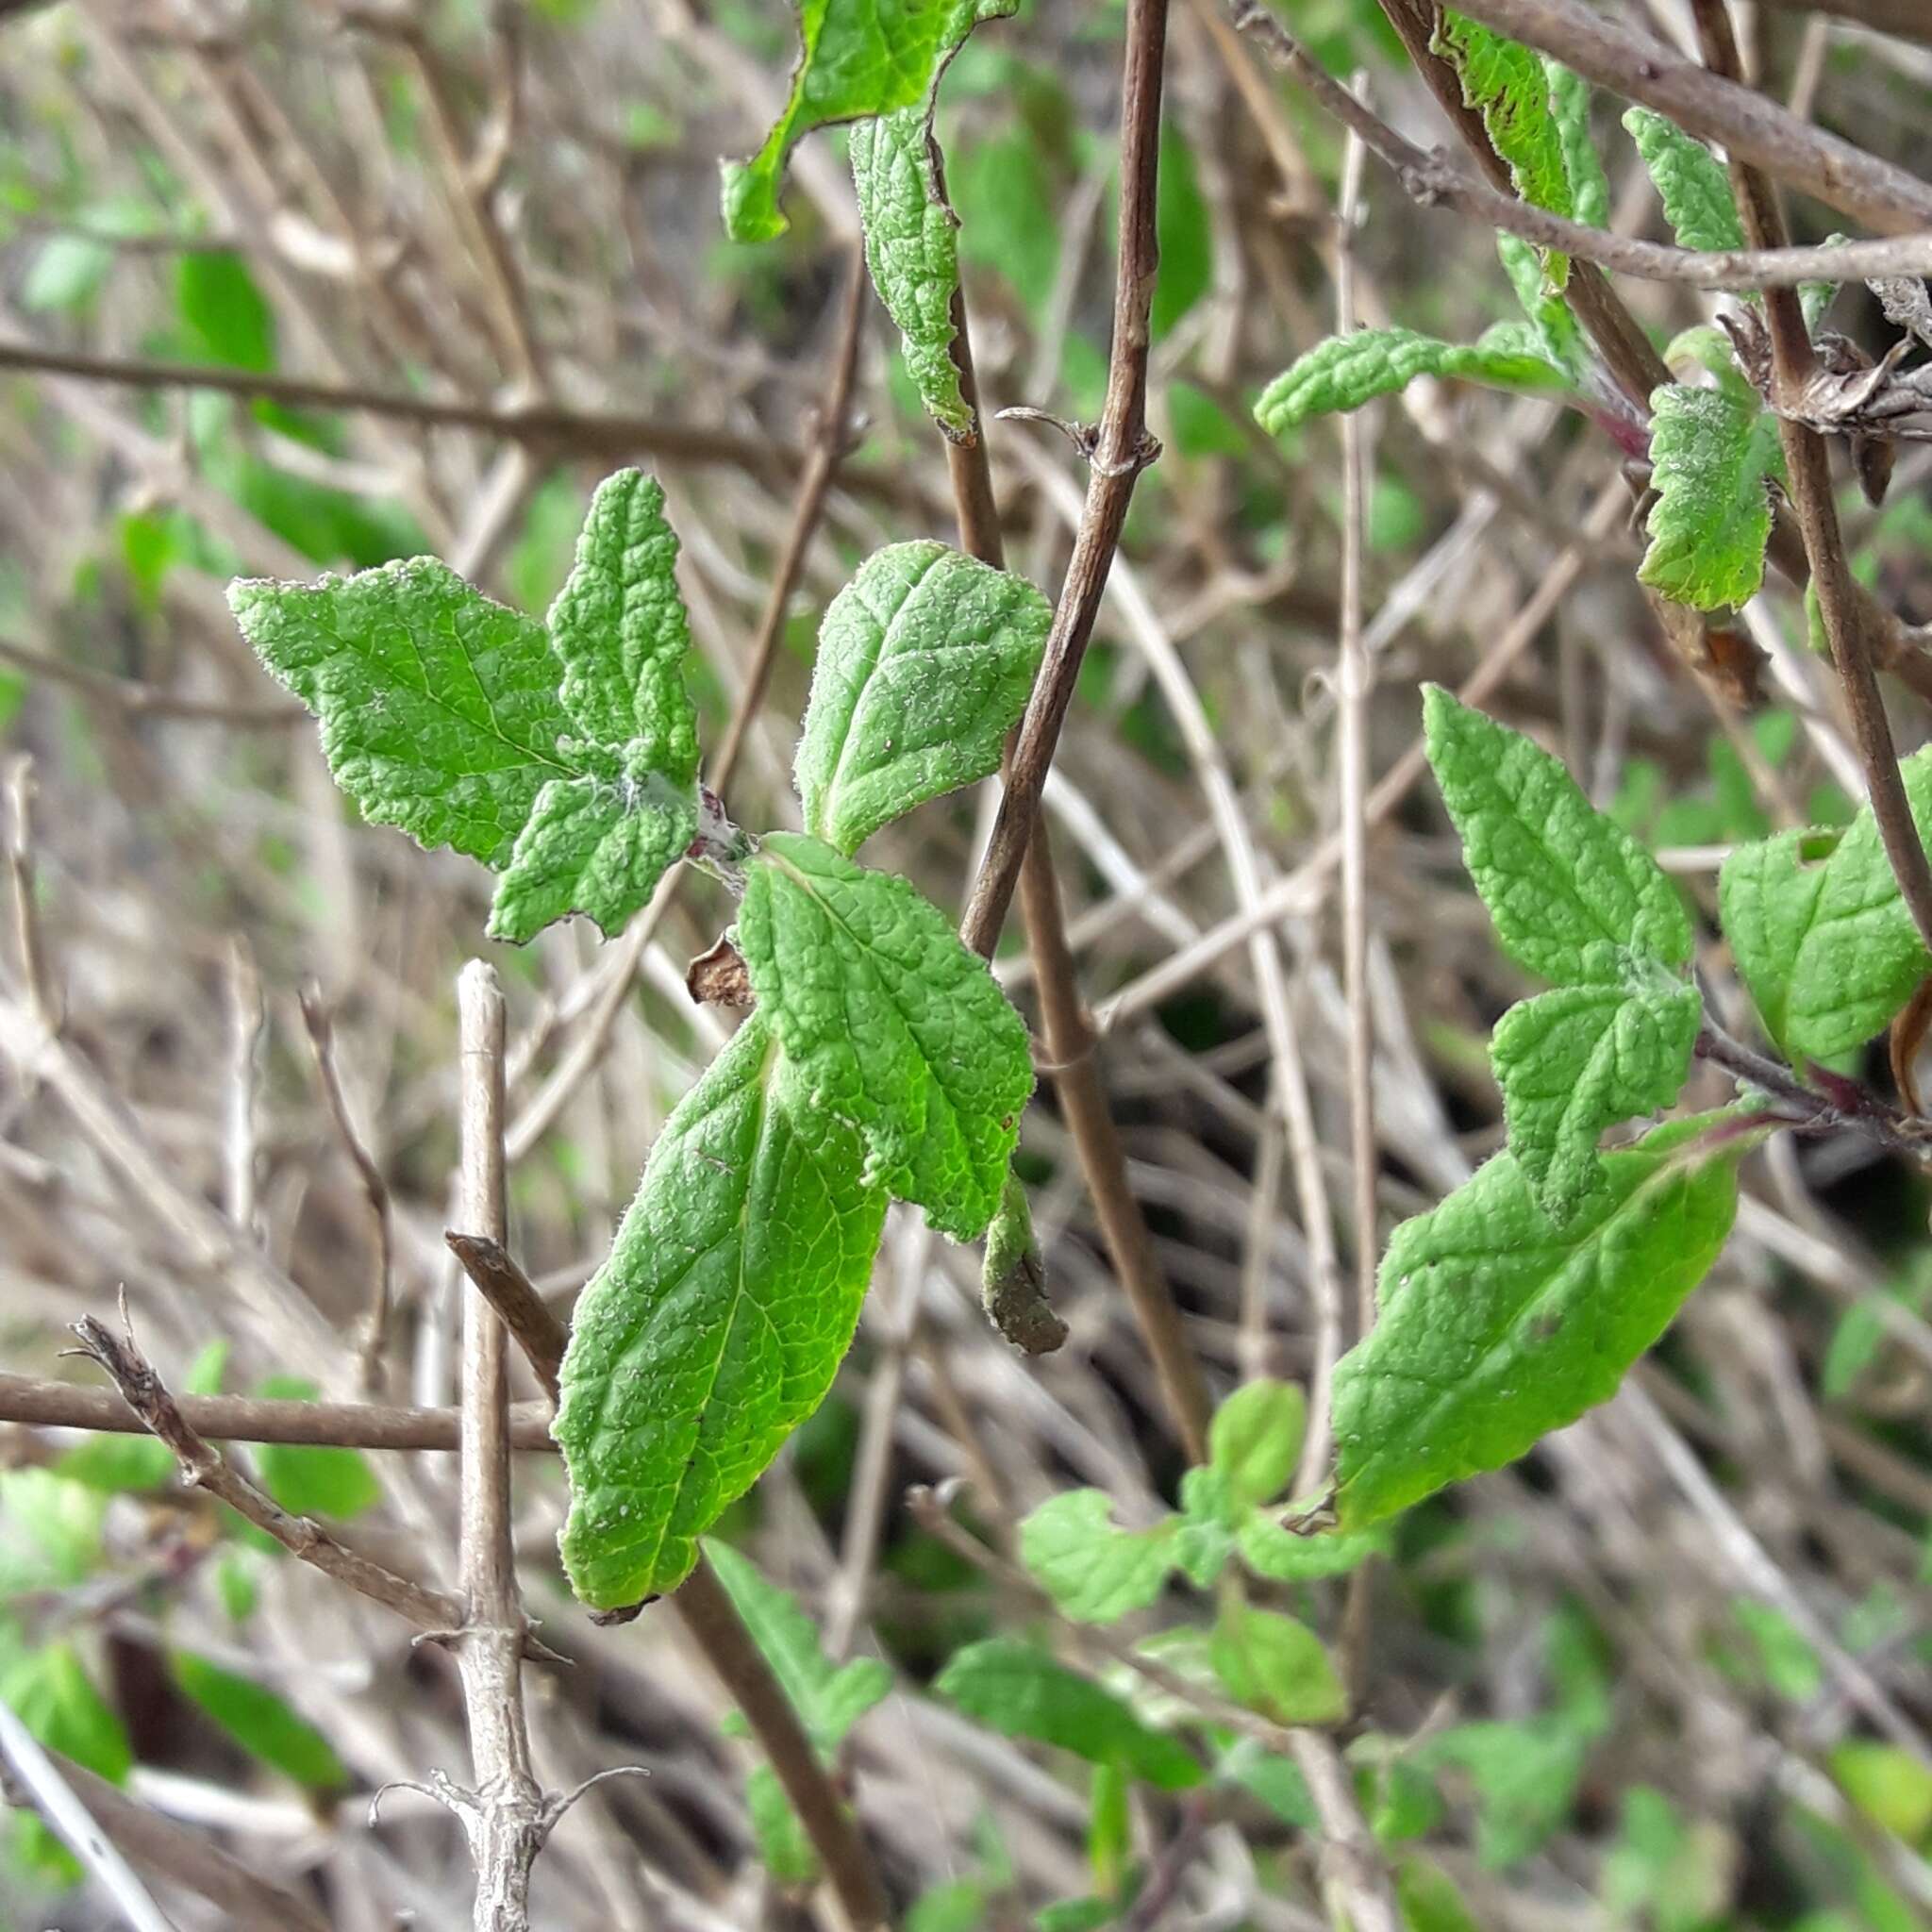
[619, 632]
[925, 659]
[1275, 1665]
[1506, 83]
[1254, 1438]
[1690, 180]
[856, 57]
[1581, 1058]
[1571, 894]
[259, 1722]
[829, 1698]
[1345, 372]
[1094, 1571]
[912, 250]
[1589, 191]
[438, 708]
[1713, 455]
[597, 846]
[1497, 1327]
[1021, 1693]
[1825, 944]
[718, 1321]
[891, 1023]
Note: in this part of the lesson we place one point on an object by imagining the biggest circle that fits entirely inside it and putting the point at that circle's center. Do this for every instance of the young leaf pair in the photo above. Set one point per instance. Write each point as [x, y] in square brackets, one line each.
[882, 1060]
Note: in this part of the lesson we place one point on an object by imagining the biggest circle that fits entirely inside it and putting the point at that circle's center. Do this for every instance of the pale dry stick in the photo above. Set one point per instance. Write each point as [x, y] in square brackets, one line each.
[150, 701]
[203, 1467]
[1265, 956]
[705, 1608]
[1807, 464]
[55, 1800]
[36, 978]
[247, 1023]
[1355, 677]
[828, 451]
[1298, 890]
[317, 1021]
[41, 1404]
[165, 1849]
[1906, 19]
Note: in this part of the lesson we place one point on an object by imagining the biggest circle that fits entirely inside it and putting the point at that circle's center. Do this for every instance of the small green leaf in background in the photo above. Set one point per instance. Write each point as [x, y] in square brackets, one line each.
[224, 312]
[1021, 1693]
[1526, 1772]
[912, 252]
[1184, 228]
[1507, 84]
[1204, 1536]
[1570, 894]
[1275, 1665]
[1690, 180]
[1077, 1915]
[1496, 1326]
[1255, 1438]
[50, 1531]
[50, 1691]
[856, 57]
[1110, 1828]
[1665, 1871]
[1590, 189]
[310, 1481]
[1713, 457]
[717, 1323]
[1887, 1784]
[438, 707]
[259, 1722]
[1344, 372]
[1428, 1900]
[829, 1698]
[924, 663]
[785, 1849]
[891, 1024]
[1575, 1060]
[1094, 1571]
[1821, 937]
[68, 274]
[1559, 335]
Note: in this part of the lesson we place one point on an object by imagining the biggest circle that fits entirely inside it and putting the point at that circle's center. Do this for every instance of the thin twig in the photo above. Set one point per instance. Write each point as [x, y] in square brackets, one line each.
[321, 1028]
[203, 1467]
[38, 1404]
[1907, 19]
[1807, 467]
[529, 1317]
[36, 978]
[1121, 449]
[247, 1020]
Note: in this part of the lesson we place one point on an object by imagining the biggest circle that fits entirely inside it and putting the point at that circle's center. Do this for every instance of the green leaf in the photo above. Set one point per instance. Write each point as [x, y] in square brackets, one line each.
[259, 1722]
[68, 273]
[309, 1481]
[891, 1024]
[1583, 168]
[1204, 1538]
[912, 251]
[597, 846]
[1077, 1915]
[1272, 1551]
[1021, 1693]
[856, 57]
[1526, 1772]
[1429, 1900]
[717, 1323]
[1826, 947]
[620, 631]
[1272, 1781]
[50, 1531]
[1109, 1828]
[1570, 894]
[924, 663]
[1275, 1665]
[1691, 181]
[1506, 83]
[1497, 1327]
[1558, 336]
[1254, 1438]
[51, 1694]
[226, 318]
[1581, 1058]
[438, 707]
[829, 1698]
[1094, 1571]
[1345, 372]
[1888, 1785]
[1713, 456]
[785, 1849]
